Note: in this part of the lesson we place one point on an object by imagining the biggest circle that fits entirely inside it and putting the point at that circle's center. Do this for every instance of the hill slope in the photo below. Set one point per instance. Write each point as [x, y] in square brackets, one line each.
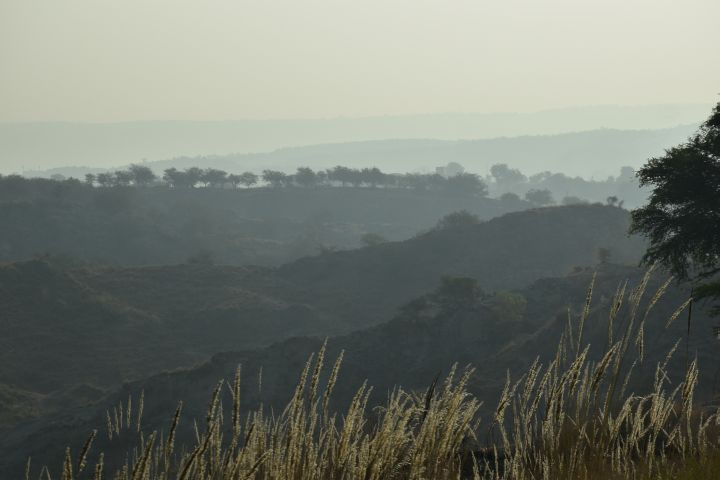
[109, 316]
[507, 252]
[494, 332]
[141, 226]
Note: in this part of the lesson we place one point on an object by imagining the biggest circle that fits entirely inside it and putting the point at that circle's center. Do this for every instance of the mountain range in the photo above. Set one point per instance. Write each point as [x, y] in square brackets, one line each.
[624, 136]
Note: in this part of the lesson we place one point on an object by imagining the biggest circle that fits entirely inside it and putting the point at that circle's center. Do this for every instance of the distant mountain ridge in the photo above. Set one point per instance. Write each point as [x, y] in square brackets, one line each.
[32, 147]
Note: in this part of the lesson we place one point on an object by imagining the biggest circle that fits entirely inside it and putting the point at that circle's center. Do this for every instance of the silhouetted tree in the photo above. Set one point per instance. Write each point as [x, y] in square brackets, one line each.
[341, 174]
[436, 181]
[305, 177]
[372, 176]
[539, 197]
[192, 176]
[505, 176]
[545, 176]
[510, 197]
[173, 177]
[415, 181]
[450, 170]
[105, 179]
[512, 200]
[248, 179]
[355, 177]
[462, 218]
[467, 184]
[142, 176]
[214, 177]
[234, 180]
[90, 179]
[275, 178]
[123, 178]
[682, 217]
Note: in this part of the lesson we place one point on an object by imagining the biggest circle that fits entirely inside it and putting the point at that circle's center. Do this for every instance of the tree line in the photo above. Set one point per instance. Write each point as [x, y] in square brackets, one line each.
[507, 184]
[304, 177]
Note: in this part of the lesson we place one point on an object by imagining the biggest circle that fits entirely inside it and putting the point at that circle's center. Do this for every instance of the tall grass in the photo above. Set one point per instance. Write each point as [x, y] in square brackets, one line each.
[574, 418]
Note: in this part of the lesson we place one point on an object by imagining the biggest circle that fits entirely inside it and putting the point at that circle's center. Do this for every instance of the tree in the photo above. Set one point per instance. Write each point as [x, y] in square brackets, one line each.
[173, 177]
[142, 176]
[355, 177]
[90, 179]
[234, 180]
[392, 179]
[467, 184]
[340, 174]
[372, 176]
[322, 177]
[123, 178]
[214, 177]
[505, 176]
[539, 197]
[305, 177]
[192, 176]
[463, 218]
[416, 181]
[682, 216]
[105, 179]
[248, 179]
[275, 178]
[451, 169]
[511, 200]
[436, 181]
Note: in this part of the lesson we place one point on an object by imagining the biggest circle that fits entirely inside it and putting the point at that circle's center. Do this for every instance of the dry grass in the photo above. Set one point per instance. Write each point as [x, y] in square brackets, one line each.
[571, 419]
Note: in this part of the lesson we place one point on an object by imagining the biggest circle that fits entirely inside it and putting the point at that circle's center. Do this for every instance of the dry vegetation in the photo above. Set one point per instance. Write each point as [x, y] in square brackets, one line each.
[575, 418]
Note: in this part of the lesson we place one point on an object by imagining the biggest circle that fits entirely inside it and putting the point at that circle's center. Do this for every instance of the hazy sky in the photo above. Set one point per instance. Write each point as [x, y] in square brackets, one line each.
[98, 60]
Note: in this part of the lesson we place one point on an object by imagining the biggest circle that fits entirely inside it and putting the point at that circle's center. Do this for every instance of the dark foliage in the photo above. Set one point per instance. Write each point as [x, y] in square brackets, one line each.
[682, 217]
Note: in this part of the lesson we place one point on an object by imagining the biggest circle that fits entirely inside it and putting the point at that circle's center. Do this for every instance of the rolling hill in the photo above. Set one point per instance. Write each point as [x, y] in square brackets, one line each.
[72, 332]
[456, 323]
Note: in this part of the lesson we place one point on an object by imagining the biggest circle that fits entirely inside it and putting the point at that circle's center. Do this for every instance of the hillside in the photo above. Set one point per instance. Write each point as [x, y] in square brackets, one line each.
[125, 322]
[457, 323]
[507, 252]
[141, 226]
[69, 335]
[73, 332]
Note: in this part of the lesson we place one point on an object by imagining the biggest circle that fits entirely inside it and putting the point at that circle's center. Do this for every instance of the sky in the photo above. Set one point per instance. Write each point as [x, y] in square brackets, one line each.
[143, 60]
